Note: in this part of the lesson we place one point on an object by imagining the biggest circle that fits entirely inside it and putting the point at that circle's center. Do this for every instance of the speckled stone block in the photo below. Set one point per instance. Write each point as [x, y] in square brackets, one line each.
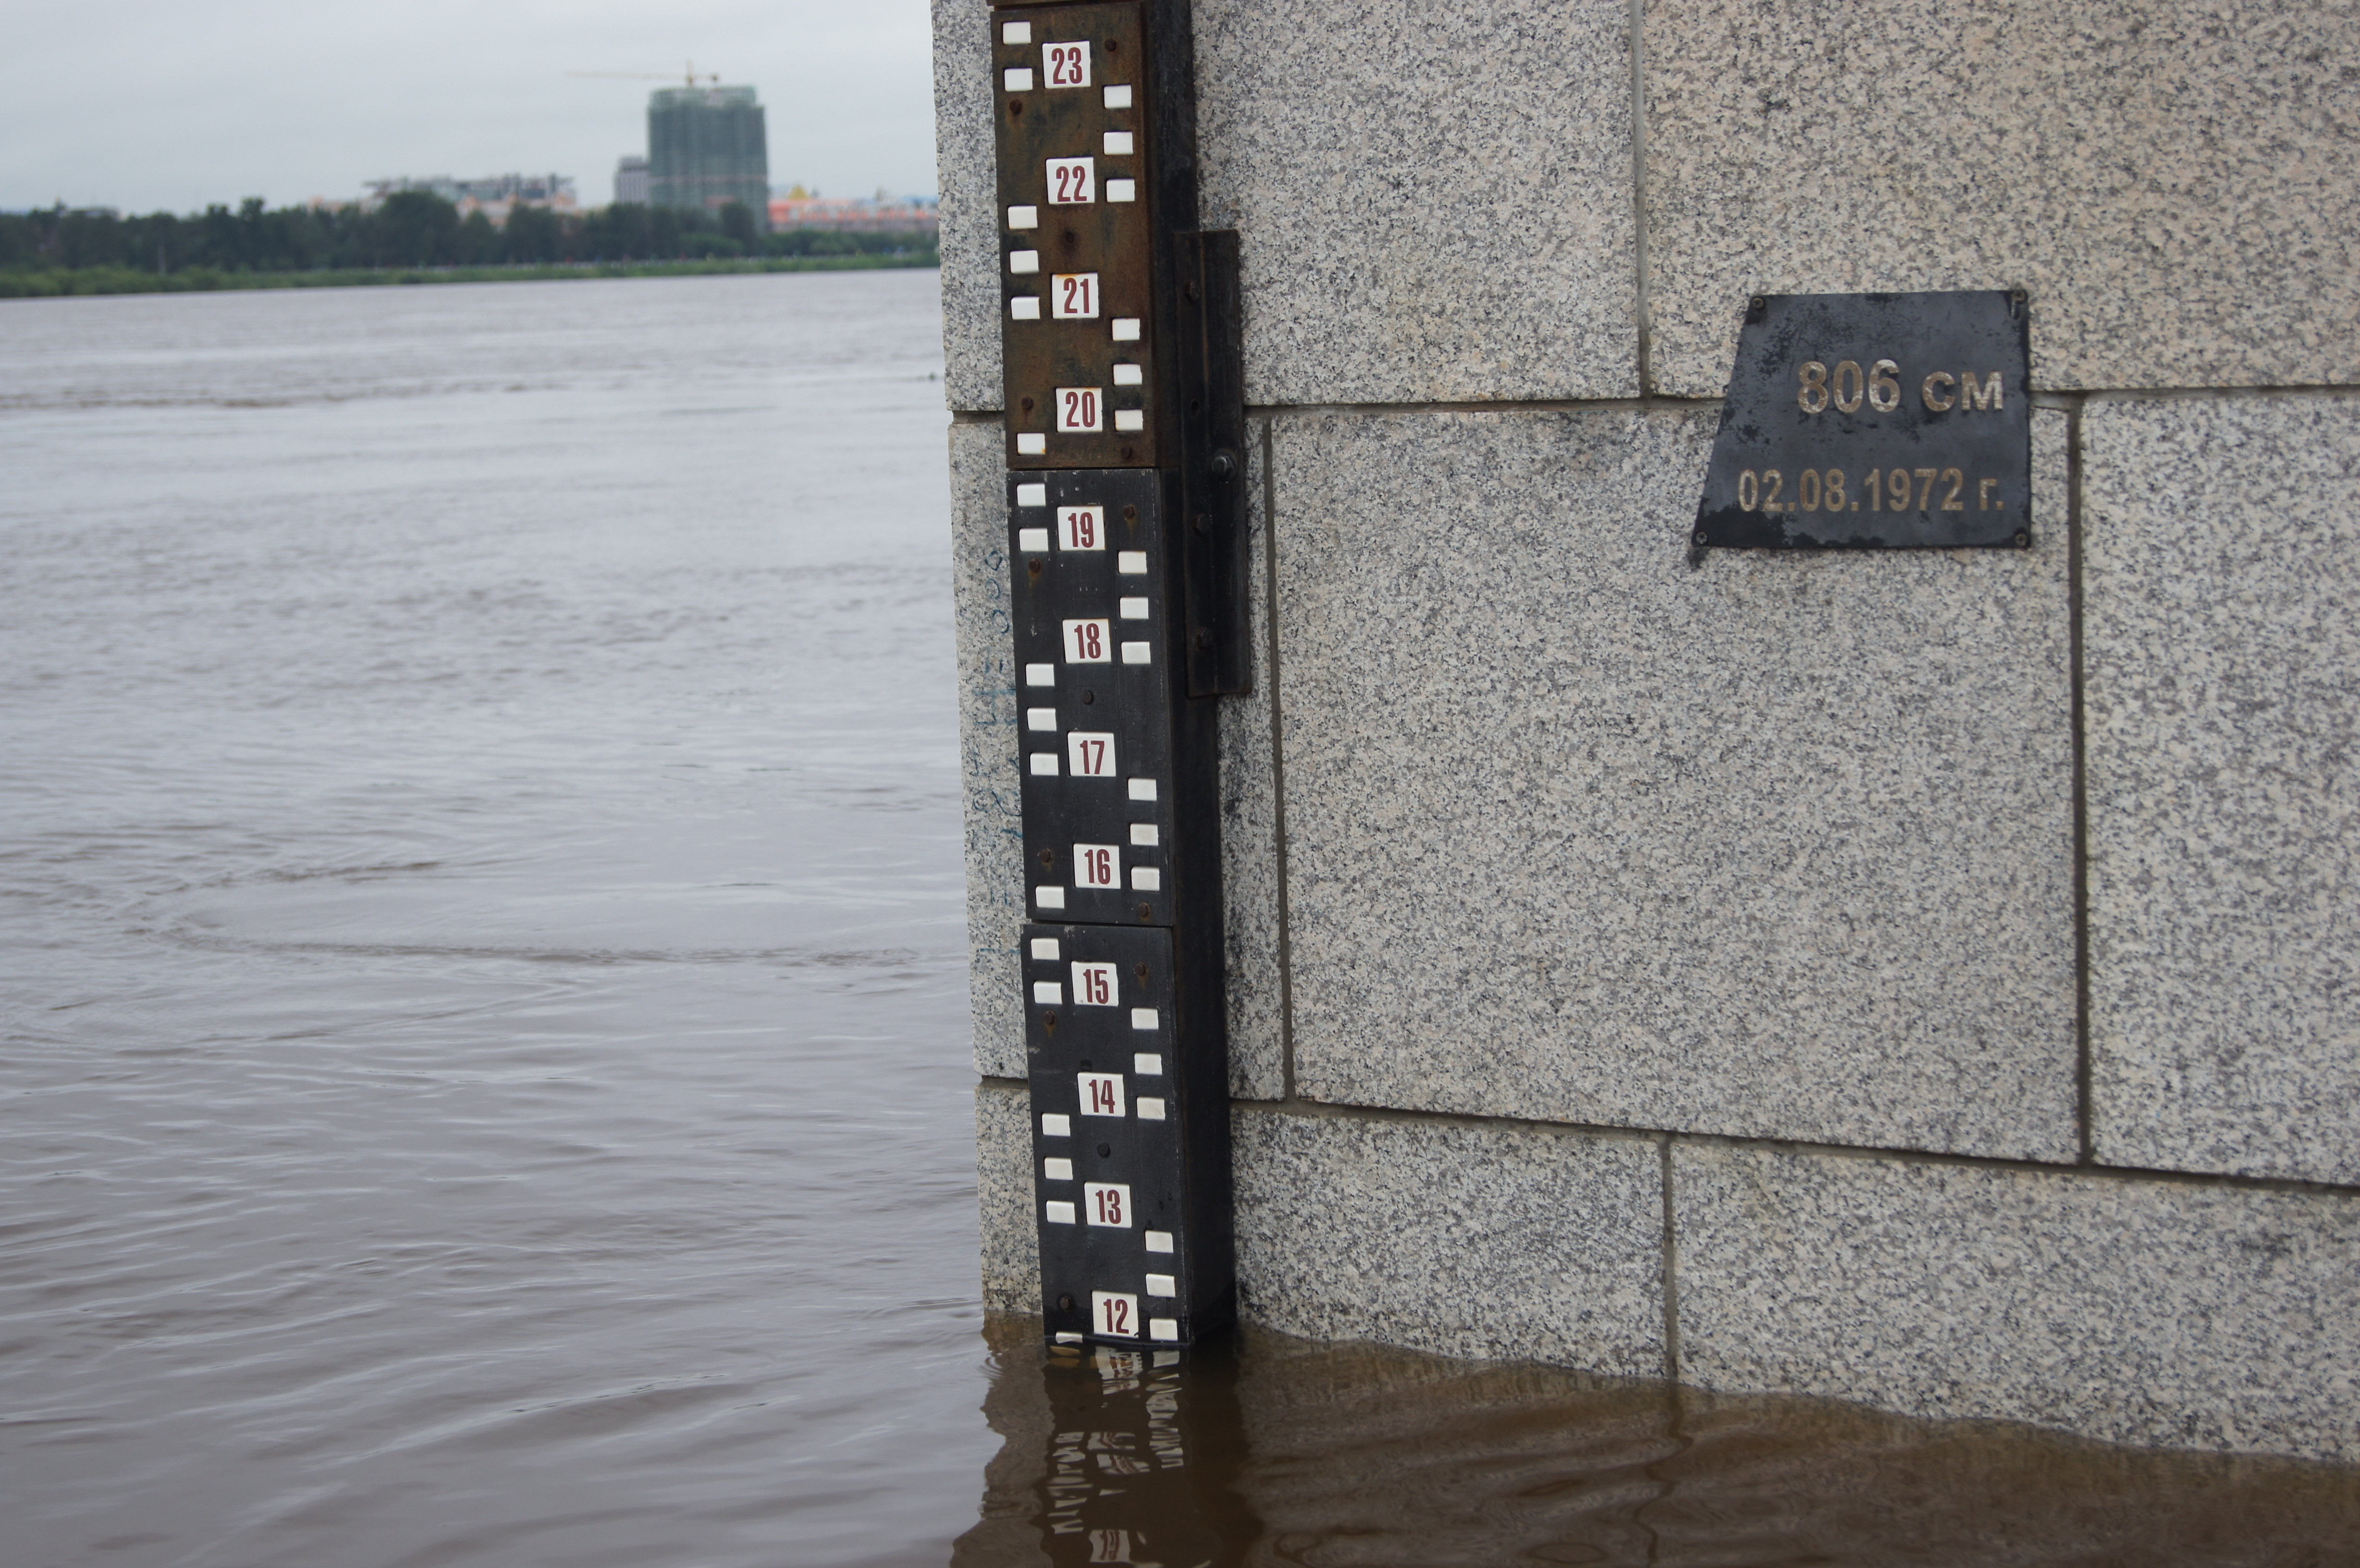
[2223, 656]
[1003, 1186]
[2172, 180]
[970, 218]
[989, 713]
[1435, 200]
[1463, 1240]
[2138, 1311]
[1250, 860]
[1776, 844]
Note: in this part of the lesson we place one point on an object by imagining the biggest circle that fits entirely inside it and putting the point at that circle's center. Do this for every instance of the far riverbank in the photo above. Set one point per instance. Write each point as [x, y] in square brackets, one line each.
[56, 282]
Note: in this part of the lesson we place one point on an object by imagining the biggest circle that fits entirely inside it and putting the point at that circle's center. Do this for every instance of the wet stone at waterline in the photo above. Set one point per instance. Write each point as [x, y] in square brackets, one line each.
[1874, 422]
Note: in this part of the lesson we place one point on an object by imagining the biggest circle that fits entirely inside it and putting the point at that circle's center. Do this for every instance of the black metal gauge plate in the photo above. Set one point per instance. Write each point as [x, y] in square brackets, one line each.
[1076, 228]
[1089, 601]
[1874, 422]
[1108, 1128]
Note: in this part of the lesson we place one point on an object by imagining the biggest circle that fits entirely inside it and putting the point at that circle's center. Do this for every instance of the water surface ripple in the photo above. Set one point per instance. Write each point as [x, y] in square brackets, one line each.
[484, 1073]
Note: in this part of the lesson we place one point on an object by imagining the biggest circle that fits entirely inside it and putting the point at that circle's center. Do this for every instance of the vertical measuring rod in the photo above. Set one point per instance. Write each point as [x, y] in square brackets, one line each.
[1126, 490]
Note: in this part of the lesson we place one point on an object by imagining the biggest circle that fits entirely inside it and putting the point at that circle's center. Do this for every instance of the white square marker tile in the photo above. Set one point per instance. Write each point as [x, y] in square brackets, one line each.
[1056, 1124]
[1024, 307]
[1016, 32]
[1122, 190]
[1024, 217]
[1159, 1241]
[1058, 1170]
[1163, 1328]
[1044, 765]
[1136, 653]
[1149, 1063]
[1146, 880]
[1118, 97]
[1039, 675]
[1128, 420]
[1047, 949]
[1162, 1285]
[1034, 445]
[1130, 562]
[1131, 609]
[1017, 79]
[1059, 1212]
[1142, 789]
[1130, 376]
[1031, 495]
[1144, 1019]
[1049, 993]
[1150, 1109]
[1117, 144]
[1049, 898]
[1168, 1358]
[1032, 538]
[1147, 834]
[1126, 328]
[1040, 718]
[1025, 261]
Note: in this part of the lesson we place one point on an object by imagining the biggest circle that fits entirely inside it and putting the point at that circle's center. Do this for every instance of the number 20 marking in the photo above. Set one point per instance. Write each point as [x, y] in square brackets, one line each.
[1079, 411]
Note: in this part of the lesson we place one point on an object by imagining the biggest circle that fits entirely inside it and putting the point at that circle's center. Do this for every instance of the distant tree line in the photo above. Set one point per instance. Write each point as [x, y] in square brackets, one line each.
[408, 229]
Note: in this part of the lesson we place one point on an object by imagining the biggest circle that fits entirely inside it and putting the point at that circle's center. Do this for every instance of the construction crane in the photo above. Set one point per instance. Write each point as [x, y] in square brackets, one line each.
[651, 76]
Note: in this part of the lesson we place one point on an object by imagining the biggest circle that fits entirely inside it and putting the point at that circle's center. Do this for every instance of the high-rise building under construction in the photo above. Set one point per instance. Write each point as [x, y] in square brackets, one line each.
[706, 146]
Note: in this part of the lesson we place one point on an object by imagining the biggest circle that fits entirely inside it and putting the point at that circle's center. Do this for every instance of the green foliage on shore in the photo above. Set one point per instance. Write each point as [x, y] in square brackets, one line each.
[414, 237]
[56, 282]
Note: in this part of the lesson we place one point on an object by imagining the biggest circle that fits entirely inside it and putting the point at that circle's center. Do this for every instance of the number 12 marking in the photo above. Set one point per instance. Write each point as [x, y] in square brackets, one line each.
[1115, 1315]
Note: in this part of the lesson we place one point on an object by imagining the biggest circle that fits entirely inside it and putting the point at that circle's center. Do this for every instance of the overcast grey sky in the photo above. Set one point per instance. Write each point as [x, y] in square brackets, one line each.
[143, 104]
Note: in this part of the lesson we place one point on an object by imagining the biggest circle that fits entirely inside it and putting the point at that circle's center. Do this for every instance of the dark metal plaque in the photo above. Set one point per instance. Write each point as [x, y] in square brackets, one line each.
[1874, 422]
[1116, 1202]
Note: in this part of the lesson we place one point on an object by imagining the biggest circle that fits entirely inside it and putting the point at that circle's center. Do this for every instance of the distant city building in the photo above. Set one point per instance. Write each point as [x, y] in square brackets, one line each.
[707, 146]
[494, 195]
[631, 180]
[847, 214]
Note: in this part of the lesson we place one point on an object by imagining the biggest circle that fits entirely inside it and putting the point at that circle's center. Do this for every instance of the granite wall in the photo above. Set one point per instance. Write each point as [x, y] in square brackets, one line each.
[1930, 979]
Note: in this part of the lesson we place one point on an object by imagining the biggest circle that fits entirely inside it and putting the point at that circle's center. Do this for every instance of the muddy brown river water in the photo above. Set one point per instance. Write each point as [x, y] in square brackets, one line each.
[484, 1073]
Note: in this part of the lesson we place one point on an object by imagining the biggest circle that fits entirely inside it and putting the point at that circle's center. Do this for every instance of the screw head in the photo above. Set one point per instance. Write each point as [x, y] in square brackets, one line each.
[1699, 537]
[2023, 540]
